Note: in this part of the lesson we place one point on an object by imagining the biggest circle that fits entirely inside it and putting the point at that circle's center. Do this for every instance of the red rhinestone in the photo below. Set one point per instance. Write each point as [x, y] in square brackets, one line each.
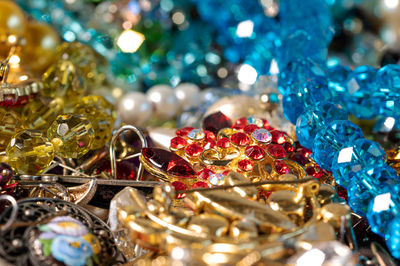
[168, 162]
[178, 143]
[278, 137]
[264, 194]
[179, 186]
[193, 150]
[209, 144]
[223, 143]
[240, 123]
[225, 172]
[204, 174]
[315, 171]
[183, 131]
[125, 170]
[245, 165]
[209, 135]
[276, 151]
[240, 139]
[250, 128]
[200, 184]
[255, 152]
[267, 125]
[281, 168]
[215, 122]
[304, 151]
[288, 147]
[299, 158]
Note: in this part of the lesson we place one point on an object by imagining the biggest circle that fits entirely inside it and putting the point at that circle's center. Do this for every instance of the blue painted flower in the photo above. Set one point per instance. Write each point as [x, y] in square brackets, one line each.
[72, 251]
[69, 226]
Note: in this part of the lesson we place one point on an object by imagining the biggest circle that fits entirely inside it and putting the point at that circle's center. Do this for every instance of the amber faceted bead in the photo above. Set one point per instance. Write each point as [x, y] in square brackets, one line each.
[10, 124]
[41, 46]
[102, 123]
[12, 19]
[63, 79]
[72, 135]
[41, 112]
[30, 152]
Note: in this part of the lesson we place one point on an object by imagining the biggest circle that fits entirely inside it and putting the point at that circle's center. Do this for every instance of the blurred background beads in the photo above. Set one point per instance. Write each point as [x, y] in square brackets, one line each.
[72, 135]
[29, 152]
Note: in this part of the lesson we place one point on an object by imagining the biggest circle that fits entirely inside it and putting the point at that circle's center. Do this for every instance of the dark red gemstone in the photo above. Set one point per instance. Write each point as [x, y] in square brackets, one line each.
[299, 158]
[183, 131]
[125, 169]
[209, 144]
[255, 152]
[281, 168]
[288, 147]
[168, 162]
[278, 137]
[240, 139]
[304, 151]
[267, 125]
[245, 165]
[200, 184]
[250, 128]
[225, 172]
[193, 150]
[240, 123]
[204, 174]
[215, 122]
[223, 143]
[209, 135]
[178, 143]
[342, 192]
[179, 186]
[315, 171]
[276, 151]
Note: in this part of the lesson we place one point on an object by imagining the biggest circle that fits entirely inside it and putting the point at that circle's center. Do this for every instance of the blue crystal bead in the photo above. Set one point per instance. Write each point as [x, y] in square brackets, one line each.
[314, 118]
[382, 209]
[308, 94]
[298, 72]
[329, 140]
[387, 102]
[360, 86]
[353, 157]
[337, 76]
[393, 237]
[389, 77]
[367, 183]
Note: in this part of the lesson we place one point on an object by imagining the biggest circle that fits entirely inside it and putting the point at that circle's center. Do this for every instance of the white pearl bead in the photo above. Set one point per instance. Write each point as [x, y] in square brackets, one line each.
[134, 108]
[188, 95]
[164, 101]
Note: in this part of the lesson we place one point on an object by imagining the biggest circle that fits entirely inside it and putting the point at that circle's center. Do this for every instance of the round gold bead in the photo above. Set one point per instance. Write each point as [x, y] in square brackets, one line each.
[72, 135]
[12, 19]
[30, 152]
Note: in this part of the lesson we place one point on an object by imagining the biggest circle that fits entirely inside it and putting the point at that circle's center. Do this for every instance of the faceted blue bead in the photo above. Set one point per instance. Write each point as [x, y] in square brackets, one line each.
[311, 92]
[298, 72]
[329, 140]
[382, 209]
[367, 183]
[353, 157]
[386, 102]
[389, 77]
[393, 237]
[315, 118]
[360, 86]
[337, 76]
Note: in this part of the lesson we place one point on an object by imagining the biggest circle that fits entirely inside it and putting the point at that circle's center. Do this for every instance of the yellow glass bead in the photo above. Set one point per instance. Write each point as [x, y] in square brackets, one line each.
[10, 124]
[64, 80]
[41, 112]
[12, 19]
[72, 135]
[86, 59]
[100, 102]
[101, 122]
[41, 46]
[30, 152]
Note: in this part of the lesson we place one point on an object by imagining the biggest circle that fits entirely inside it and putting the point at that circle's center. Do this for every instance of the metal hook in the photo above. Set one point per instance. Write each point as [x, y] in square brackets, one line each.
[112, 149]
[14, 211]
